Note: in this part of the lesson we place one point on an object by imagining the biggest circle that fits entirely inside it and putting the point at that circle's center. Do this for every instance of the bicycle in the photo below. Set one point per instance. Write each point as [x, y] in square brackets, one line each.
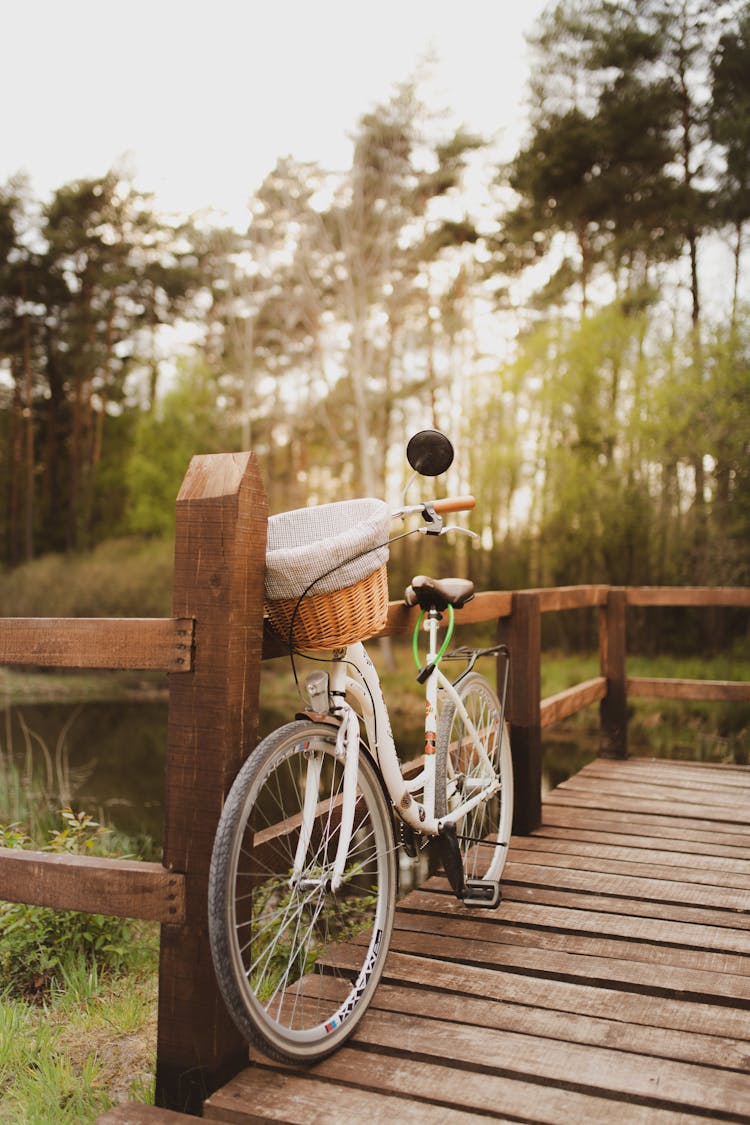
[303, 879]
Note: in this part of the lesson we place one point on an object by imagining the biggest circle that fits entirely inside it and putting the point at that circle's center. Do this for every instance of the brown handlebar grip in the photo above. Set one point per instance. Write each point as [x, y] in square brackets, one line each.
[453, 504]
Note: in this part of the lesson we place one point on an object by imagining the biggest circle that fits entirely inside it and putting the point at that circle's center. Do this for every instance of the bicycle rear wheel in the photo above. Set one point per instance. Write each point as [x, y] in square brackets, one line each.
[460, 773]
[296, 963]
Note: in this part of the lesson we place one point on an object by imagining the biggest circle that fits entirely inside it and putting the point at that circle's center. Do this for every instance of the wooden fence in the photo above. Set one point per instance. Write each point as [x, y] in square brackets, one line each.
[212, 648]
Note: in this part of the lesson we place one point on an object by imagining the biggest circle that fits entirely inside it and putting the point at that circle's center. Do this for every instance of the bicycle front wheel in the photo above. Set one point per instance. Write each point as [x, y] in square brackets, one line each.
[297, 963]
[461, 772]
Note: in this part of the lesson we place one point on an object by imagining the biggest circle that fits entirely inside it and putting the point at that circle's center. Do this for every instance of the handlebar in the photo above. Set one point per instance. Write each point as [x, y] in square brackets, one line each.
[449, 504]
[453, 504]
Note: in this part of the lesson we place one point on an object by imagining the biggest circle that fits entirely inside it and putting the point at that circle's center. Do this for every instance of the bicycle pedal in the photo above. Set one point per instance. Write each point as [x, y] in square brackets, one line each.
[481, 892]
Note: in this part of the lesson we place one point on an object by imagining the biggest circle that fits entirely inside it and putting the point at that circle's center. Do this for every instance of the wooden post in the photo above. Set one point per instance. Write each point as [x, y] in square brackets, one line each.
[522, 633]
[213, 721]
[613, 709]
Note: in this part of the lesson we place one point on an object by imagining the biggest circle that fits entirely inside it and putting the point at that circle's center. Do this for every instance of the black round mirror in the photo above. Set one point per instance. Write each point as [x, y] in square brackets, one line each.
[429, 453]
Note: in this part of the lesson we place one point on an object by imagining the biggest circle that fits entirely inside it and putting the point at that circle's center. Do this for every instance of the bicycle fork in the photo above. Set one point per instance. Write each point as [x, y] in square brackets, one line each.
[347, 750]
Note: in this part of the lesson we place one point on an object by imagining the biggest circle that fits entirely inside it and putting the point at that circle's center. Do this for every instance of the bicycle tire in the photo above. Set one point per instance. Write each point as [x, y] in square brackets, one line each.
[458, 770]
[287, 988]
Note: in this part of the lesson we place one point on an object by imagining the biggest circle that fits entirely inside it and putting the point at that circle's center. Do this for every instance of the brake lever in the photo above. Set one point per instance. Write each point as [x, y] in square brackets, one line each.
[444, 530]
[462, 530]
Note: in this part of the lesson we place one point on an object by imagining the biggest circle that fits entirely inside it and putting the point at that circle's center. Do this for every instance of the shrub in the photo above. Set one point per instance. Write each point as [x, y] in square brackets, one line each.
[37, 944]
[129, 577]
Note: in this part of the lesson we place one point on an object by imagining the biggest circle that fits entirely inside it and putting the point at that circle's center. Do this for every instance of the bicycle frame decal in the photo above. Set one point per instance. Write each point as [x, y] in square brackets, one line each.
[355, 995]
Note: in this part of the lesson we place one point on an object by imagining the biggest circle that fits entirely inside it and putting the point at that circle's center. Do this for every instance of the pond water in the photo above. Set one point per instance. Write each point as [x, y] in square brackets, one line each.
[108, 758]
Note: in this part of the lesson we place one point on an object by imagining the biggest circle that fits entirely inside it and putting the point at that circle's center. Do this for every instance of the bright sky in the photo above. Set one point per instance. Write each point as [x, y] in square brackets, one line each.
[201, 98]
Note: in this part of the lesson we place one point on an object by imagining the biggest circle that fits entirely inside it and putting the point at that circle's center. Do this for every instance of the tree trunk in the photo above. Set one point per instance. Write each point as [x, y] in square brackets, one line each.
[28, 413]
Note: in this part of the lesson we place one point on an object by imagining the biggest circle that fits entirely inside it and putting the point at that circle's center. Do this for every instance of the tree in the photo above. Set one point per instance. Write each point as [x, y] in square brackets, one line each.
[729, 121]
[21, 330]
[385, 230]
[617, 143]
[184, 422]
[83, 290]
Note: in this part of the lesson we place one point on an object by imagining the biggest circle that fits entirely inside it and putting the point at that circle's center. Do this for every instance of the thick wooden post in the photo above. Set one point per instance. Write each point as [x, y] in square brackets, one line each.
[613, 709]
[522, 633]
[213, 721]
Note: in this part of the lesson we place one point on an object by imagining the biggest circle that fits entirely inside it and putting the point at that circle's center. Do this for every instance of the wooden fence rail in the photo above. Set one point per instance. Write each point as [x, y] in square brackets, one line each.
[212, 648]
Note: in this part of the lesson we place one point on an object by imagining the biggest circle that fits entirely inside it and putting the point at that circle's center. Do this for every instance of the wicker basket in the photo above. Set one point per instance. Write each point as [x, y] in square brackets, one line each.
[326, 621]
[326, 573]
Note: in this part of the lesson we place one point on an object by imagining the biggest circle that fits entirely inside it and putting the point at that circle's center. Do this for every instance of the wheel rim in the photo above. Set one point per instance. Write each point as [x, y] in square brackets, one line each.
[489, 820]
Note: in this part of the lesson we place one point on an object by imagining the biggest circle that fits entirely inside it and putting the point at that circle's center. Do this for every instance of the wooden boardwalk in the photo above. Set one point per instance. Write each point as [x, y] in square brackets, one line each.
[611, 985]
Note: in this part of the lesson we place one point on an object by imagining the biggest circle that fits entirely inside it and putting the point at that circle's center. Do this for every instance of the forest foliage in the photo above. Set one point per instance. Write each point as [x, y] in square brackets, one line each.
[559, 315]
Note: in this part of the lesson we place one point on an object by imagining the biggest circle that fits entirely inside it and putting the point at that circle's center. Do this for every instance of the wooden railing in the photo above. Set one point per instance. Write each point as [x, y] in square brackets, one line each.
[212, 648]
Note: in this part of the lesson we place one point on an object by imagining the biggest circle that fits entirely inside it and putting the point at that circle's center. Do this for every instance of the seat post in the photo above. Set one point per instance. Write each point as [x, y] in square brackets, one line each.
[434, 618]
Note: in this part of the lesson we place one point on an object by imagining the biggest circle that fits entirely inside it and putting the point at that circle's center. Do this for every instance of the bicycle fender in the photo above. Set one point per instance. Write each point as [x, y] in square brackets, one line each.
[319, 717]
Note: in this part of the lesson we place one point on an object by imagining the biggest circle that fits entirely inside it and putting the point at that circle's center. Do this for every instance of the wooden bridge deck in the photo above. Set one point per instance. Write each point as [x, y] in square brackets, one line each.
[612, 983]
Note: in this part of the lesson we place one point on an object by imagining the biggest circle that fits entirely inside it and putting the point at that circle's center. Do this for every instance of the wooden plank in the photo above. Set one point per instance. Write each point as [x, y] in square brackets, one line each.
[691, 851]
[562, 809]
[645, 790]
[723, 771]
[433, 1088]
[611, 860]
[632, 886]
[721, 819]
[578, 941]
[457, 1047]
[160, 644]
[126, 888]
[660, 1083]
[557, 707]
[652, 687]
[675, 772]
[719, 929]
[565, 913]
[220, 538]
[259, 1095]
[689, 595]
[556, 598]
[700, 985]
[134, 1113]
[546, 1022]
[583, 996]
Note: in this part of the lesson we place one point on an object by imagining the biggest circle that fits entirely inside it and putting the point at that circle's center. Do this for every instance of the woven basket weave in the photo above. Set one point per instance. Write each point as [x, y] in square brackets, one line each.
[334, 620]
[326, 573]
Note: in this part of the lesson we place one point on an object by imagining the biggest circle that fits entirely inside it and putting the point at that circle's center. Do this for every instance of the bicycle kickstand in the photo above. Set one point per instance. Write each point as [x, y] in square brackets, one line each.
[471, 892]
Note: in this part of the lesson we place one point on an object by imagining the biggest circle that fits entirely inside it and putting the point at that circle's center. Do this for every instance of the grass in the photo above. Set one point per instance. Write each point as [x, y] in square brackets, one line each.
[77, 993]
[90, 1045]
[695, 730]
[126, 577]
[58, 685]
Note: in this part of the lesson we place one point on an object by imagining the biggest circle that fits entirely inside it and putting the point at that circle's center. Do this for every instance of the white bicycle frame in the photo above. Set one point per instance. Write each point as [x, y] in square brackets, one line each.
[368, 701]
